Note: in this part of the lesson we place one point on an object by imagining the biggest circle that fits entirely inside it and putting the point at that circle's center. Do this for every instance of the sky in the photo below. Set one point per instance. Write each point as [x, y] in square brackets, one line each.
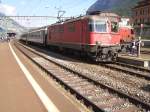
[45, 7]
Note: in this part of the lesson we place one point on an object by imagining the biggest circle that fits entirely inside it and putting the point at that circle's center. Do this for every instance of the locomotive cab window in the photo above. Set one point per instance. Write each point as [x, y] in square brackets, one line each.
[100, 26]
[114, 27]
[97, 26]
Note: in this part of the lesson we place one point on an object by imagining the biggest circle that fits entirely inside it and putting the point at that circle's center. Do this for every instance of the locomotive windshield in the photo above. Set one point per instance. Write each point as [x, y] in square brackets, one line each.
[97, 26]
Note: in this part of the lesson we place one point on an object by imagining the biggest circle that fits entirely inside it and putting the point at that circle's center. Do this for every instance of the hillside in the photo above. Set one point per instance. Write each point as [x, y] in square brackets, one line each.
[7, 24]
[121, 7]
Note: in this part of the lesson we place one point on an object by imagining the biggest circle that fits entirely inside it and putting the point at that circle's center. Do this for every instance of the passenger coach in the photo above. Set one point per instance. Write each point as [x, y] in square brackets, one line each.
[36, 36]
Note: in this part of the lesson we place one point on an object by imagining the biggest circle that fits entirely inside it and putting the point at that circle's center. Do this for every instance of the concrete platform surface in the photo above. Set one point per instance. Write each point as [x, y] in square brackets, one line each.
[17, 94]
[143, 60]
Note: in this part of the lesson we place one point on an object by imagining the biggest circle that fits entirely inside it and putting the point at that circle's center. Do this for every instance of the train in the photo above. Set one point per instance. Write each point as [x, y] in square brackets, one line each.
[94, 36]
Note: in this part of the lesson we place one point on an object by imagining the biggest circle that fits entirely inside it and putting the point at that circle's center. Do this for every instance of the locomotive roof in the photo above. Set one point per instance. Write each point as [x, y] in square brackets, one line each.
[101, 16]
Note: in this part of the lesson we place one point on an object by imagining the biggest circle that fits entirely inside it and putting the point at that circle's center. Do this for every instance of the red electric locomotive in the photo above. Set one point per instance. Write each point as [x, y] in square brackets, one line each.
[94, 35]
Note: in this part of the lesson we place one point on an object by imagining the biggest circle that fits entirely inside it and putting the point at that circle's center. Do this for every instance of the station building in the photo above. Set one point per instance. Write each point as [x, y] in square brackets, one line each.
[141, 18]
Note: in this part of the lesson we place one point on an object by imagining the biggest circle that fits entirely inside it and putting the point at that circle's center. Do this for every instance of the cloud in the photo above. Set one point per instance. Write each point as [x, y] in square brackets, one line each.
[7, 9]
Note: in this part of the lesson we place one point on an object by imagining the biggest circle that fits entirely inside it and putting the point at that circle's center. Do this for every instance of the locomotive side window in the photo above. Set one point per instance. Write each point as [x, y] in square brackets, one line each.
[61, 29]
[91, 26]
[132, 32]
[71, 27]
[114, 26]
[100, 26]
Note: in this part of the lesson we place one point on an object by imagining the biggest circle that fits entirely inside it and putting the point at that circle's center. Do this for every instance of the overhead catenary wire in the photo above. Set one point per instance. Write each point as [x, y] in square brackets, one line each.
[32, 16]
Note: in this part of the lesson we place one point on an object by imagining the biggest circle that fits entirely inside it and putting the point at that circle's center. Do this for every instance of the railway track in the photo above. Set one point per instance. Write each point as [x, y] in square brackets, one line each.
[93, 93]
[130, 69]
[144, 51]
[125, 82]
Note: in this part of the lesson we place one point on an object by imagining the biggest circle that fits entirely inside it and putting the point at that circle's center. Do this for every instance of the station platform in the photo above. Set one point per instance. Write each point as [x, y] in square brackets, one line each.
[143, 60]
[15, 89]
[25, 88]
[146, 43]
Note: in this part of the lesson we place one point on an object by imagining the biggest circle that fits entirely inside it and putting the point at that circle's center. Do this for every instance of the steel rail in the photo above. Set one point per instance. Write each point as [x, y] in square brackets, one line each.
[130, 69]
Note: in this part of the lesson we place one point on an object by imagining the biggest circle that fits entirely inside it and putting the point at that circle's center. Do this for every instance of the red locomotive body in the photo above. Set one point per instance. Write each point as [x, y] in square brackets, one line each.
[127, 34]
[94, 35]
[126, 30]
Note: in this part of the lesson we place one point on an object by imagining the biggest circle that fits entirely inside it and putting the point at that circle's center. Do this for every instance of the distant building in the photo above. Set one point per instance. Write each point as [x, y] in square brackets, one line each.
[141, 15]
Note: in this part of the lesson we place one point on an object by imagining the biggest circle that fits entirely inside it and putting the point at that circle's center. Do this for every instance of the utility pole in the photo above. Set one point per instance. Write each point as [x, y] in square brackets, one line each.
[139, 40]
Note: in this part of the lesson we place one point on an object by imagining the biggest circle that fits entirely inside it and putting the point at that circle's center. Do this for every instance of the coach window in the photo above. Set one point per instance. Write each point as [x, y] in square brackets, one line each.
[114, 26]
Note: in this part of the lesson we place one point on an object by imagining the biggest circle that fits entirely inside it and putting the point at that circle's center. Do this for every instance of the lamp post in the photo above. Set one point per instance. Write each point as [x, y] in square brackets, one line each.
[0, 25]
[139, 40]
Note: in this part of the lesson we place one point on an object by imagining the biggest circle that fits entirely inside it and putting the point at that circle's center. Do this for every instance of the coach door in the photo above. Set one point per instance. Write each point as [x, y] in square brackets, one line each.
[49, 33]
[45, 37]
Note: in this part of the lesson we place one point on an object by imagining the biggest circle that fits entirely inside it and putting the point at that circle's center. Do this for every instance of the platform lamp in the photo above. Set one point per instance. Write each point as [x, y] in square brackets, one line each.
[139, 40]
